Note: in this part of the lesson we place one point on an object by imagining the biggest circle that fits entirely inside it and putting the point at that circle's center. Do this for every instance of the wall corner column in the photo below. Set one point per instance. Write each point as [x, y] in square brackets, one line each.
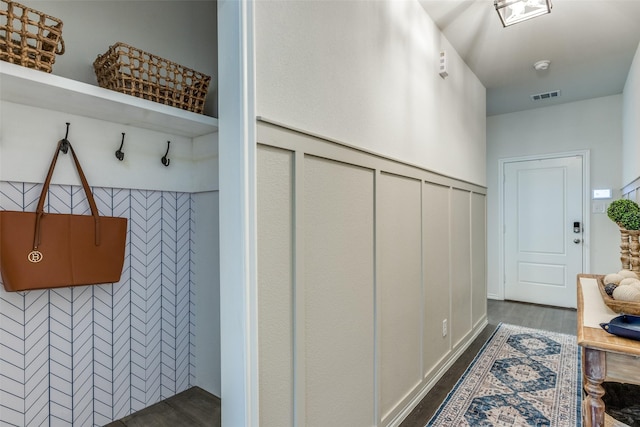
[238, 260]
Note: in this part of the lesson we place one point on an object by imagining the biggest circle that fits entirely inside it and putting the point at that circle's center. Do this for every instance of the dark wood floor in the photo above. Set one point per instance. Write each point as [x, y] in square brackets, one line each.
[194, 407]
[197, 408]
[552, 319]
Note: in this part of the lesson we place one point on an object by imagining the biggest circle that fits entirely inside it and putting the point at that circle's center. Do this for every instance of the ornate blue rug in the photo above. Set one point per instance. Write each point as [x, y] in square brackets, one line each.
[521, 377]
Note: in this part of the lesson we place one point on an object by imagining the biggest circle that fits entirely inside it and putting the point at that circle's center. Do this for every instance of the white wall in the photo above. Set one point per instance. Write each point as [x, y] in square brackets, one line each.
[89, 27]
[33, 133]
[593, 125]
[206, 260]
[180, 31]
[366, 73]
[631, 123]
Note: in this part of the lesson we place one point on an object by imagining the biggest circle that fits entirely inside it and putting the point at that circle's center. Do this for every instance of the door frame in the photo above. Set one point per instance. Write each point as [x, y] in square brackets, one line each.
[586, 203]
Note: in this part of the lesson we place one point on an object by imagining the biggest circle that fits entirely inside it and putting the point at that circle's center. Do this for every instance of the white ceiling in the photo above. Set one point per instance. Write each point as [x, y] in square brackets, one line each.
[590, 43]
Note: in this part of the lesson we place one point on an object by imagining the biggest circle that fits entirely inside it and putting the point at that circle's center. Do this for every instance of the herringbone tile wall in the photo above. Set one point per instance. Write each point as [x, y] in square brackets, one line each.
[85, 356]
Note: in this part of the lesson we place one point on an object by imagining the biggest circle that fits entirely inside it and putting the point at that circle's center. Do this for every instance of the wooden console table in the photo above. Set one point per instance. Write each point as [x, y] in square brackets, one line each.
[604, 356]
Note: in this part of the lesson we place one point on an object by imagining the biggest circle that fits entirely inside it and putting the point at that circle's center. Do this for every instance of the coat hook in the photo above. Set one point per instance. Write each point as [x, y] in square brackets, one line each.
[120, 153]
[166, 161]
[64, 147]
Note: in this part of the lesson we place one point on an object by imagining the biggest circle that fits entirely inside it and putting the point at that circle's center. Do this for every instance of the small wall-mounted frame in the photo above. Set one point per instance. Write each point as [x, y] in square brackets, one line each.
[603, 193]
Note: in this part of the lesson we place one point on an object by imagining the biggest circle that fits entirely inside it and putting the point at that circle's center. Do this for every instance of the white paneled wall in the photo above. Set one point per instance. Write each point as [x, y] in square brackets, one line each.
[360, 260]
[436, 263]
[632, 191]
[399, 285]
[478, 259]
[460, 265]
[336, 343]
[275, 255]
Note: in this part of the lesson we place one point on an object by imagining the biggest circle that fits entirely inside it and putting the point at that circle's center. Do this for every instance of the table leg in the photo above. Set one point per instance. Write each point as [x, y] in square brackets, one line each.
[594, 370]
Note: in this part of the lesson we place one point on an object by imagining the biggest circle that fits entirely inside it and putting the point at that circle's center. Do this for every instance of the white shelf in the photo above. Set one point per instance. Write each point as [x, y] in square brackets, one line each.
[39, 89]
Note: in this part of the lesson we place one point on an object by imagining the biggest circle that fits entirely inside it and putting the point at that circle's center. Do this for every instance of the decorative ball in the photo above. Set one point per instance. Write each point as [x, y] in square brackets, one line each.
[613, 278]
[636, 285]
[628, 273]
[626, 293]
[609, 287]
[627, 281]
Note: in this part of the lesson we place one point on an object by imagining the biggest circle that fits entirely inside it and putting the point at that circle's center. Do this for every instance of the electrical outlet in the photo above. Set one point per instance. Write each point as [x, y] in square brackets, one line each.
[444, 328]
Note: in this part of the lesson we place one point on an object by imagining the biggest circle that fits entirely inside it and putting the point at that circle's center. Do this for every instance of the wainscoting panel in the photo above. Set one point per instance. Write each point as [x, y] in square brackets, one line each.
[436, 261]
[478, 258]
[87, 355]
[338, 288]
[632, 191]
[461, 266]
[399, 284]
[360, 259]
[275, 276]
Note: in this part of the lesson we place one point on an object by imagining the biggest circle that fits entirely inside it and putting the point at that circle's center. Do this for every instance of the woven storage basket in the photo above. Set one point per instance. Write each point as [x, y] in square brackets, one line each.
[626, 307]
[28, 37]
[129, 70]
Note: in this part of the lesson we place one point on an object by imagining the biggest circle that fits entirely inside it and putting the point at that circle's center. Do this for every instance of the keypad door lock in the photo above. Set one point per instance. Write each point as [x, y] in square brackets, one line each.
[576, 227]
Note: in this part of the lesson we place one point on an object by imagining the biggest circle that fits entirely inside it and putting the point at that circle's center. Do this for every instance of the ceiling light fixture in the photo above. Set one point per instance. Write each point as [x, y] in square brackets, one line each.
[514, 11]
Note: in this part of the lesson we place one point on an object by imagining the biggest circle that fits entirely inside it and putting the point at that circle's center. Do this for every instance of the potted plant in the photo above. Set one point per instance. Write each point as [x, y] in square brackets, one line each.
[626, 213]
[619, 208]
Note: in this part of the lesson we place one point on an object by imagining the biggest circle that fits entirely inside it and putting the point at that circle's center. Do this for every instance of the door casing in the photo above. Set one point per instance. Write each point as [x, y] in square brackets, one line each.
[586, 202]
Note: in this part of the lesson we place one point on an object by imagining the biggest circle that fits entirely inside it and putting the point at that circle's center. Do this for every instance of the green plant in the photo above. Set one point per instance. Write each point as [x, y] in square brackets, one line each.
[618, 208]
[631, 220]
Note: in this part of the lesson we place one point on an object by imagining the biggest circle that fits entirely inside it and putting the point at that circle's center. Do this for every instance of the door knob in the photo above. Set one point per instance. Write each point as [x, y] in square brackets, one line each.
[576, 241]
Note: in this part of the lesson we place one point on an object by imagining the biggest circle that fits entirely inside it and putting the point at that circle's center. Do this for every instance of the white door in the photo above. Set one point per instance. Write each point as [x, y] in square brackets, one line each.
[543, 250]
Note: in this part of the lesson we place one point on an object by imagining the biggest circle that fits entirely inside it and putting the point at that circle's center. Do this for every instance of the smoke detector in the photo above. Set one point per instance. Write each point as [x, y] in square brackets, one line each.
[542, 65]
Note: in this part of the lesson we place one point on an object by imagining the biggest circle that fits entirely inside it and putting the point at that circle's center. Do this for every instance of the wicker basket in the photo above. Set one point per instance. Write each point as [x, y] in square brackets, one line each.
[623, 307]
[29, 37]
[129, 70]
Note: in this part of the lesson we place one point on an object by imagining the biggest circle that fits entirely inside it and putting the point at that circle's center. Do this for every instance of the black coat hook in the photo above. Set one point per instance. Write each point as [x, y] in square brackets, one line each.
[166, 161]
[64, 147]
[120, 153]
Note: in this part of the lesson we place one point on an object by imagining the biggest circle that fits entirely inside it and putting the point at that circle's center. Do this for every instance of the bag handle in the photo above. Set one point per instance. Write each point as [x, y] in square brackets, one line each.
[85, 185]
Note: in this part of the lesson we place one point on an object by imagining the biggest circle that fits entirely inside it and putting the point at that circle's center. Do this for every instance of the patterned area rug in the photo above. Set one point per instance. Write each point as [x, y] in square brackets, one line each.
[521, 377]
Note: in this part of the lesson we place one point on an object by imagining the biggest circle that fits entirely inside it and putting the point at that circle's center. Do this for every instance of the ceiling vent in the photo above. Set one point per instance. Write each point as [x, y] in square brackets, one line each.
[546, 95]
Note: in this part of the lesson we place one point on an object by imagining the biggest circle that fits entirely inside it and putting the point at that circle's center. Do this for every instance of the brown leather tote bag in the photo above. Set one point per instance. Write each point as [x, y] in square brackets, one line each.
[40, 250]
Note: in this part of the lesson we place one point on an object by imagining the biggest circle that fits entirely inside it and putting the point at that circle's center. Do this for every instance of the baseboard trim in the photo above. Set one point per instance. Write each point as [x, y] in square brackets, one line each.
[397, 420]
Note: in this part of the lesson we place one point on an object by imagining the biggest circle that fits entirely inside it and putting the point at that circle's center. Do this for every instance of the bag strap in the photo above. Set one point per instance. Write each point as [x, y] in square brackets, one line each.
[45, 188]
